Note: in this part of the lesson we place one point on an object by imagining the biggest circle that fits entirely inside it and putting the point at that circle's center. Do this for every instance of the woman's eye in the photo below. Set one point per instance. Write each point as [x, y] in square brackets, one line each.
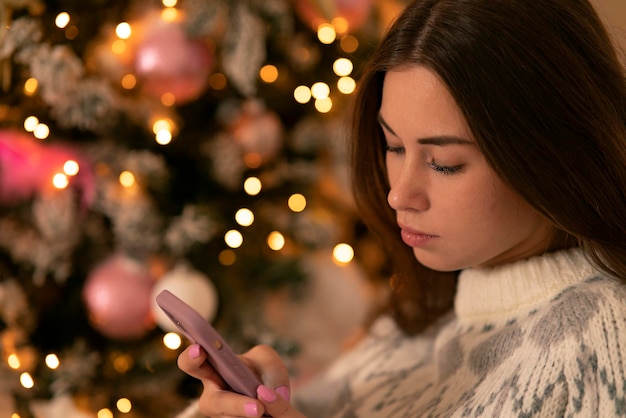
[444, 169]
[394, 150]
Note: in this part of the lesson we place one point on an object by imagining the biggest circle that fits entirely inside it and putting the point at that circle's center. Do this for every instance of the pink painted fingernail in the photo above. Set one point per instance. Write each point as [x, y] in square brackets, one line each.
[194, 351]
[265, 393]
[283, 391]
[251, 409]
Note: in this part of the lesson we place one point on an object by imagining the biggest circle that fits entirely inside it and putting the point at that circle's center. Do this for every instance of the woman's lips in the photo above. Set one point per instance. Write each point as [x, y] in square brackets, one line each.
[415, 238]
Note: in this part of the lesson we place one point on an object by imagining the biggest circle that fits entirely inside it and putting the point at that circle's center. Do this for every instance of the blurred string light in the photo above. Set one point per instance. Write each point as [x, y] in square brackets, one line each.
[71, 168]
[343, 253]
[14, 361]
[346, 85]
[268, 73]
[244, 217]
[124, 405]
[343, 66]
[60, 181]
[320, 90]
[297, 202]
[123, 30]
[302, 94]
[41, 131]
[62, 20]
[172, 341]
[30, 123]
[127, 179]
[105, 413]
[326, 33]
[349, 43]
[233, 238]
[227, 257]
[340, 24]
[129, 81]
[252, 186]
[324, 105]
[163, 131]
[170, 3]
[30, 86]
[169, 14]
[26, 380]
[52, 361]
[275, 240]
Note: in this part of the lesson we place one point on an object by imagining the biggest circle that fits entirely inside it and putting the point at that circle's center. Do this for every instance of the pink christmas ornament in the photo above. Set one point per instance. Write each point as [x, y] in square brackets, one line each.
[27, 167]
[117, 295]
[313, 12]
[167, 61]
[258, 131]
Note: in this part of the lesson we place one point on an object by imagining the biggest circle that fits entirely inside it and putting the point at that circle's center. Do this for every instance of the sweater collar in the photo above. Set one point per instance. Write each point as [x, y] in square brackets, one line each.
[488, 293]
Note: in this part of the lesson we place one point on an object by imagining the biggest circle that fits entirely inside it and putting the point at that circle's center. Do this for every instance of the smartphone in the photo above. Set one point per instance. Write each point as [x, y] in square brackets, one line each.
[233, 371]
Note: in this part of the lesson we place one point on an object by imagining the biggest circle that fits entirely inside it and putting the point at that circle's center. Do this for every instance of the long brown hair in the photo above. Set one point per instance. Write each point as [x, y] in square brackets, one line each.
[543, 91]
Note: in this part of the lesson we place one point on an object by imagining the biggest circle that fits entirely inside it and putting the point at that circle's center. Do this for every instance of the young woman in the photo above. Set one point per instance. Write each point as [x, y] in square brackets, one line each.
[489, 155]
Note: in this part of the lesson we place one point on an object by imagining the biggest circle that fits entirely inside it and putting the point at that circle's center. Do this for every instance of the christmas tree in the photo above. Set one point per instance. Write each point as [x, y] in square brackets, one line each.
[196, 146]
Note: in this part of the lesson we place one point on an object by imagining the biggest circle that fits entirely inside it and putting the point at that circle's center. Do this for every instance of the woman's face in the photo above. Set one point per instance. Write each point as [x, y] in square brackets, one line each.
[452, 208]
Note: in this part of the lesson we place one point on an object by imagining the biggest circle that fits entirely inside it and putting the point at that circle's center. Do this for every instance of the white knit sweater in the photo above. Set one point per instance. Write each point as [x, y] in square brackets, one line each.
[544, 337]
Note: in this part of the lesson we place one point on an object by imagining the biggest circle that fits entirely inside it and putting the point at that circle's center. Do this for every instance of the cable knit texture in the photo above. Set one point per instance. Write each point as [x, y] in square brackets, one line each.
[543, 337]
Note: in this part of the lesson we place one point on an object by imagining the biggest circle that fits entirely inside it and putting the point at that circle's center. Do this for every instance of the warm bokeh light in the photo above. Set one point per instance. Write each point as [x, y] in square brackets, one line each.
[163, 137]
[26, 380]
[343, 66]
[320, 90]
[123, 363]
[30, 123]
[123, 30]
[169, 3]
[326, 33]
[346, 85]
[162, 124]
[60, 181]
[124, 405]
[127, 179]
[324, 105]
[168, 99]
[252, 186]
[217, 81]
[269, 73]
[340, 24]
[302, 94]
[349, 43]
[52, 361]
[71, 168]
[276, 241]
[227, 257]
[129, 81]
[172, 341]
[169, 14]
[41, 131]
[244, 217]
[14, 361]
[343, 253]
[30, 86]
[62, 20]
[105, 413]
[233, 238]
[118, 47]
[297, 202]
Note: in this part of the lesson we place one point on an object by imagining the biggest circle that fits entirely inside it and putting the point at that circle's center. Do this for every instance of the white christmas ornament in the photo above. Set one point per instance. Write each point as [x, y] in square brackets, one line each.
[192, 287]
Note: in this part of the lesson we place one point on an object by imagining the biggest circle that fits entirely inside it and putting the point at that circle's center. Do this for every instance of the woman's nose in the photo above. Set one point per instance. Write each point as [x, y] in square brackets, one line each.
[407, 191]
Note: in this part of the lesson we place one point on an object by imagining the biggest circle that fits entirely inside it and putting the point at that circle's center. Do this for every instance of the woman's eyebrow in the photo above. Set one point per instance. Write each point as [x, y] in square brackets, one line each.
[439, 140]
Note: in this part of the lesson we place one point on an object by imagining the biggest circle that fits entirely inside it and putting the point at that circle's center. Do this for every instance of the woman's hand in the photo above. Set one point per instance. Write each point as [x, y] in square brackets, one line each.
[215, 401]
